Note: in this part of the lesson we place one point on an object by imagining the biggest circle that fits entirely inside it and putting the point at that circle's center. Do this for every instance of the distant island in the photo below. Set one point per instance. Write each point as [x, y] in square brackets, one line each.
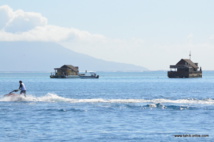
[44, 56]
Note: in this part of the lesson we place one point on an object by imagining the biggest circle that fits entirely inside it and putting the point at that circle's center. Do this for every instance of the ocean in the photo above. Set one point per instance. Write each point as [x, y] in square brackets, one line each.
[118, 107]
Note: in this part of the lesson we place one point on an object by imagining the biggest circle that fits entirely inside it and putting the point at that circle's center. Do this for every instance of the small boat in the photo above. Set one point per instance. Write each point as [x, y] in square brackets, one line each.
[89, 75]
[69, 71]
[185, 68]
[66, 71]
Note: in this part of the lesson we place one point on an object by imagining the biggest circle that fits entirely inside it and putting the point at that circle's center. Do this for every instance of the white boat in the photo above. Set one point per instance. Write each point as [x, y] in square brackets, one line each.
[89, 75]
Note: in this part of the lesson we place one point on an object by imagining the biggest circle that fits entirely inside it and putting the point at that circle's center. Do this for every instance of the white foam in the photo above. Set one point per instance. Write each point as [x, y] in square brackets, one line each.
[55, 98]
[12, 98]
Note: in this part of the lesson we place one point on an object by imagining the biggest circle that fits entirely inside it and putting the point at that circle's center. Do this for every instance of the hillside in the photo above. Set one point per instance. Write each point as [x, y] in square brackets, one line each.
[45, 56]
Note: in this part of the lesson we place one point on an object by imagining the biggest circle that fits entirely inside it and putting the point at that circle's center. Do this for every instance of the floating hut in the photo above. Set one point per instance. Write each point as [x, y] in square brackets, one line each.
[185, 68]
[66, 71]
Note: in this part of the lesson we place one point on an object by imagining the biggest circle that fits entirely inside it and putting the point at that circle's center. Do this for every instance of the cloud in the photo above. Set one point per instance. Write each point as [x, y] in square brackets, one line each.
[20, 21]
[49, 33]
[20, 25]
[24, 21]
[6, 14]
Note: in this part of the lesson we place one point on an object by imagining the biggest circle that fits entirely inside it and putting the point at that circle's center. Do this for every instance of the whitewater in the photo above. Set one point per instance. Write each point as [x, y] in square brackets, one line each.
[55, 98]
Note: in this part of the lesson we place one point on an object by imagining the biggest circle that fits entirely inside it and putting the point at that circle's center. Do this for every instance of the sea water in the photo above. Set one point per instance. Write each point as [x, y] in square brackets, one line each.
[119, 106]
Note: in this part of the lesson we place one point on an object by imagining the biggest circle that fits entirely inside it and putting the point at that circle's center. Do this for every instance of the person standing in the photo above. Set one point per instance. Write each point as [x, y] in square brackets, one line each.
[22, 88]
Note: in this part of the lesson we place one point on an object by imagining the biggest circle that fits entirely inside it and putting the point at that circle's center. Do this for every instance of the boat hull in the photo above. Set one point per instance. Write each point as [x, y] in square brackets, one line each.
[89, 77]
[173, 74]
[63, 76]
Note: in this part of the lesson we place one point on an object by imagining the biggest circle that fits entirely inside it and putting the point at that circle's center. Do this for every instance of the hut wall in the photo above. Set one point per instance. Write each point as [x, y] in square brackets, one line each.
[182, 70]
[60, 72]
[71, 72]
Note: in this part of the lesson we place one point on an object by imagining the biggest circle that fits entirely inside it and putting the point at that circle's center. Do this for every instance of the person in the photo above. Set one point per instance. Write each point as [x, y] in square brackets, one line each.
[22, 88]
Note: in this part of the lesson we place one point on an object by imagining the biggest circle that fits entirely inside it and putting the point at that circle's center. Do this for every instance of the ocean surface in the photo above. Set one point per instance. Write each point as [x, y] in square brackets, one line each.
[118, 107]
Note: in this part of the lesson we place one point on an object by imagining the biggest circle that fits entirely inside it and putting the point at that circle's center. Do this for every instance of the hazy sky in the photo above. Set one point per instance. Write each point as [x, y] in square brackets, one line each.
[149, 33]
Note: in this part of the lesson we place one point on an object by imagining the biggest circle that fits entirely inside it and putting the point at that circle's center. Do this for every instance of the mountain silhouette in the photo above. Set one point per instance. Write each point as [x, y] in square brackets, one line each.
[45, 56]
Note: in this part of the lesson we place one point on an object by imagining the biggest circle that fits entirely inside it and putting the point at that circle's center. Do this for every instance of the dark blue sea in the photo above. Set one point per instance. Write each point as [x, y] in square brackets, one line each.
[118, 107]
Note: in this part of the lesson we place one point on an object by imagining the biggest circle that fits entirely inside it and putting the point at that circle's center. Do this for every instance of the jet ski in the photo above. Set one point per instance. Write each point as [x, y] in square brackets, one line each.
[14, 96]
[12, 93]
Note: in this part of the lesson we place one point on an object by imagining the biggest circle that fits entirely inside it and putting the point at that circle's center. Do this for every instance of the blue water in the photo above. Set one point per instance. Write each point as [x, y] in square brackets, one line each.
[118, 107]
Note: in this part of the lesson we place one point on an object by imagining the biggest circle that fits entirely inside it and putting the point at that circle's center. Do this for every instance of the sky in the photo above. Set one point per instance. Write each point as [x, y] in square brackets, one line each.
[149, 33]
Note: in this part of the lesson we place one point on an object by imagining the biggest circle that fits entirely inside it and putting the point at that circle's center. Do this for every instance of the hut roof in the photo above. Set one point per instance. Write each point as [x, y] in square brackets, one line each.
[70, 67]
[190, 63]
[76, 69]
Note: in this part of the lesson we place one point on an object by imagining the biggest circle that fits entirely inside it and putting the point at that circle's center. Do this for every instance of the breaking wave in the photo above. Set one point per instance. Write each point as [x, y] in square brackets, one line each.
[55, 98]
